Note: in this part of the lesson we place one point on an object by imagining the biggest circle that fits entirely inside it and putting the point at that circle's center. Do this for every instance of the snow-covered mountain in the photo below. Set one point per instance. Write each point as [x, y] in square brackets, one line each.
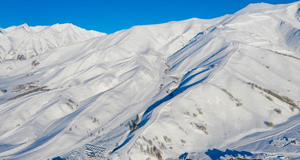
[23, 42]
[198, 89]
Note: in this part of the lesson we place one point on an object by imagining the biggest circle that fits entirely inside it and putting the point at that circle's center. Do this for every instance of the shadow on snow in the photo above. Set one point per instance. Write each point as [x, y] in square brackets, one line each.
[216, 154]
[147, 115]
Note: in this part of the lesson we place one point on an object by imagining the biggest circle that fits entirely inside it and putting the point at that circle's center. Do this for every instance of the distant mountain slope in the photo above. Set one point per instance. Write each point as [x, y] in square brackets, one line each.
[199, 89]
[23, 42]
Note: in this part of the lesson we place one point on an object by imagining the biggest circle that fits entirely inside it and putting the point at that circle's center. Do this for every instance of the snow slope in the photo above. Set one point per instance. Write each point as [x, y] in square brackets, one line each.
[23, 42]
[202, 89]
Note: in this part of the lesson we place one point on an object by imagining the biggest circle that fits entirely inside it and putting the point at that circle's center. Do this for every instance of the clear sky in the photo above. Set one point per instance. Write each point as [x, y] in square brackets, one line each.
[112, 15]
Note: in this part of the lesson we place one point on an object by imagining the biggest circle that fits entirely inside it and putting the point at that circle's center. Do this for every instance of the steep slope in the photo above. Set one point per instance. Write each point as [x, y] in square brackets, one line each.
[23, 42]
[204, 89]
[71, 95]
[233, 81]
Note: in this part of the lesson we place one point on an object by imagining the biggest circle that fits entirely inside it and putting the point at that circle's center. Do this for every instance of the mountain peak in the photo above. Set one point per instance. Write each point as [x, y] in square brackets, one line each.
[62, 26]
[24, 25]
[28, 41]
[265, 7]
[225, 88]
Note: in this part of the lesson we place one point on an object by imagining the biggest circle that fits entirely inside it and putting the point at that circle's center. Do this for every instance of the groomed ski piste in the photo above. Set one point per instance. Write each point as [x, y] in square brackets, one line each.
[223, 88]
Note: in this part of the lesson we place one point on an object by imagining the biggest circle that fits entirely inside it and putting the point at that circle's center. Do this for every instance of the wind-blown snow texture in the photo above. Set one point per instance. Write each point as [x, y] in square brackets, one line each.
[202, 89]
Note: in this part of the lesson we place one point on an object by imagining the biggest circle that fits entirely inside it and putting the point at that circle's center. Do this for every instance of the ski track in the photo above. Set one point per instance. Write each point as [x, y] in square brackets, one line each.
[152, 111]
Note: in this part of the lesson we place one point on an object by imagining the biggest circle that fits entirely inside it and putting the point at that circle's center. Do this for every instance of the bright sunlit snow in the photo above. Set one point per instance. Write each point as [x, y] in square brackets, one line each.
[198, 89]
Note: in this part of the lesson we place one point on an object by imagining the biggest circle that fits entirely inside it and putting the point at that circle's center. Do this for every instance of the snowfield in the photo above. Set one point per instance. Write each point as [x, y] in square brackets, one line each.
[194, 89]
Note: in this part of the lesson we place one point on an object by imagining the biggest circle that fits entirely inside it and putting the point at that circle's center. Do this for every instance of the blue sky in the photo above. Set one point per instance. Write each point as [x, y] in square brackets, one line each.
[112, 15]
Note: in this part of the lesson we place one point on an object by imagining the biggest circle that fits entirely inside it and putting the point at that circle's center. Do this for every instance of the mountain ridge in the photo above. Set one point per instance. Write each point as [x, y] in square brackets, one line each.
[23, 42]
[199, 89]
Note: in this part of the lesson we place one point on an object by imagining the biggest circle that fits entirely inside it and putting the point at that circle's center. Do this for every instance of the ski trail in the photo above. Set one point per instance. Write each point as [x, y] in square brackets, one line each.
[206, 73]
[278, 129]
